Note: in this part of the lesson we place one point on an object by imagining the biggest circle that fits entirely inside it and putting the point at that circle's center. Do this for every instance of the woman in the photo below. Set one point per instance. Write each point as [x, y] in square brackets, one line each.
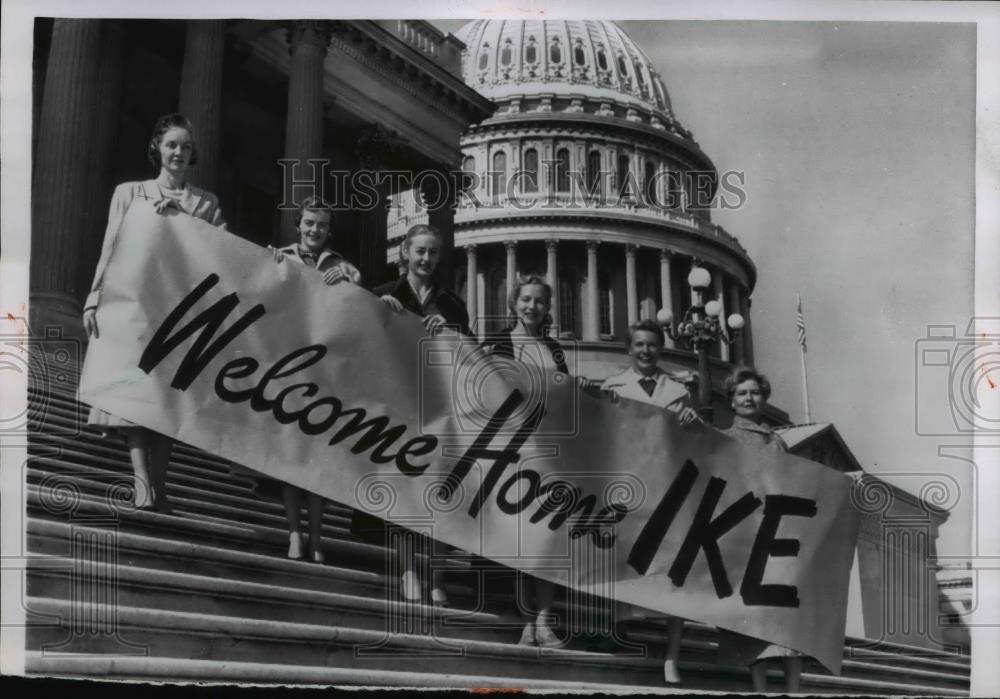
[748, 391]
[417, 291]
[171, 151]
[645, 381]
[313, 223]
[526, 342]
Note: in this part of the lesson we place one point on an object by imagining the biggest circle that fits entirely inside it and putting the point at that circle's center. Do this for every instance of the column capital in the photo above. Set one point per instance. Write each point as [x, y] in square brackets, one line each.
[551, 243]
[511, 246]
[470, 249]
[630, 249]
[308, 32]
[666, 254]
[592, 245]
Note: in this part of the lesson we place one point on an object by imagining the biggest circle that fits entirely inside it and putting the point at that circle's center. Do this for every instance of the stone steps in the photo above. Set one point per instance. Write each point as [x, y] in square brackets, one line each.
[206, 593]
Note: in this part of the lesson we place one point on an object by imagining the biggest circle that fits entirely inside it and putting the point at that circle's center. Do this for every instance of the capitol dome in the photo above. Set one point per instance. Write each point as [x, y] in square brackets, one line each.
[510, 57]
[583, 175]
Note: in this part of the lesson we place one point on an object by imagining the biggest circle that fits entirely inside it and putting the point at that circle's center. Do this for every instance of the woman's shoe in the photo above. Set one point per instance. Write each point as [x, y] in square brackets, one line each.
[409, 588]
[439, 598]
[528, 635]
[295, 546]
[318, 557]
[544, 636]
[670, 673]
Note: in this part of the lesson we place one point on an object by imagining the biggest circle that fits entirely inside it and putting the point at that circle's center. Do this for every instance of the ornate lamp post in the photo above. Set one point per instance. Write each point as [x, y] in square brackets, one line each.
[700, 327]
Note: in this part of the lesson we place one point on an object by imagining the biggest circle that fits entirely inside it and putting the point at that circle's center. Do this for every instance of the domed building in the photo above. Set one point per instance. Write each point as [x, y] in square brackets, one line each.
[584, 175]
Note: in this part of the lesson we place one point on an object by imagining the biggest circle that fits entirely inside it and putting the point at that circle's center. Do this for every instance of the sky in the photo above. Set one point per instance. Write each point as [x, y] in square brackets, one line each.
[857, 141]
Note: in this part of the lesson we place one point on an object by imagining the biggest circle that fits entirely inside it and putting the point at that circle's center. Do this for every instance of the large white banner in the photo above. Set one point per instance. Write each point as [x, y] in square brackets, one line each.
[204, 338]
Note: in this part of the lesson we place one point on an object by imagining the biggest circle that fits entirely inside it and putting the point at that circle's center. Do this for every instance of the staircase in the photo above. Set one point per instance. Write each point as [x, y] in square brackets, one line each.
[206, 594]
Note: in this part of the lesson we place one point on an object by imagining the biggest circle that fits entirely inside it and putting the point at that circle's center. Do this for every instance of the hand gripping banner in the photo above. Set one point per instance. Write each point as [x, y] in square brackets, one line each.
[204, 338]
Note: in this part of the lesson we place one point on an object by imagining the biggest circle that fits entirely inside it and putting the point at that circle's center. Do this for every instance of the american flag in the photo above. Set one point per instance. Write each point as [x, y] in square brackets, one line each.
[800, 325]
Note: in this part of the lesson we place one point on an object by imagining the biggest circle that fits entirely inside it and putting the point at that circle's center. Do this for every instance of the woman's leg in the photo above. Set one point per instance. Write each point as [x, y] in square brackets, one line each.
[291, 496]
[758, 674]
[525, 605]
[793, 672]
[675, 629]
[138, 451]
[544, 594]
[160, 447]
[439, 598]
[406, 564]
[315, 504]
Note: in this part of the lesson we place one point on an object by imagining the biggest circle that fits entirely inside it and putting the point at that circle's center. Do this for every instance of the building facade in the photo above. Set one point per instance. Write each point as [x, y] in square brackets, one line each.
[585, 176]
[281, 110]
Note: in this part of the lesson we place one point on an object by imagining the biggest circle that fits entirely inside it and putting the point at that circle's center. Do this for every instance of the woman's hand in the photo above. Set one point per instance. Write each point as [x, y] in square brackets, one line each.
[392, 302]
[434, 323]
[688, 416]
[90, 322]
[334, 275]
[166, 204]
[277, 254]
[593, 387]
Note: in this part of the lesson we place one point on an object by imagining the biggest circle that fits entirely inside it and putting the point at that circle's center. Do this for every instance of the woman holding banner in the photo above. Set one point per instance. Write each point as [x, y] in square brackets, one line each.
[313, 223]
[527, 343]
[417, 291]
[645, 381]
[171, 150]
[748, 391]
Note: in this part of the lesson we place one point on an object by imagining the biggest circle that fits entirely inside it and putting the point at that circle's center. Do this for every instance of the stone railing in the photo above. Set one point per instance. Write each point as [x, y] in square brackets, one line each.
[443, 49]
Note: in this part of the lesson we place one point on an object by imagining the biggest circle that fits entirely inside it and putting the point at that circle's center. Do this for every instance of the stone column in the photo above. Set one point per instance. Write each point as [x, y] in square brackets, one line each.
[471, 273]
[107, 110]
[747, 329]
[592, 326]
[62, 175]
[481, 303]
[307, 40]
[511, 246]
[666, 290]
[440, 191]
[631, 288]
[552, 277]
[734, 307]
[718, 290]
[201, 96]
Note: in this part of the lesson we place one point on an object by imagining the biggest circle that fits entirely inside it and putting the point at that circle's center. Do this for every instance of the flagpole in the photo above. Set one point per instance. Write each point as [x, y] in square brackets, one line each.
[800, 322]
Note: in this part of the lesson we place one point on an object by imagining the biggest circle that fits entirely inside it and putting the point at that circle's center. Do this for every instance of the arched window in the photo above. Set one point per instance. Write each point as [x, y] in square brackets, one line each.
[529, 180]
[649, 182]
[579, 57]
[562, 170]
[594, 172]
[622, 65]
[638, 75]
[568, 303]
[621, 176]
[484, 58]
[496, 300]
[530, 53]
[602, 59]
[468, 164]
[505, 54]
[555, 53]
[498, 177]
[606, 294]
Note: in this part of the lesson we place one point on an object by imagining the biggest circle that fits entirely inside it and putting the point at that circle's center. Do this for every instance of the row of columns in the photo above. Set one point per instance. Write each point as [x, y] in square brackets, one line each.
[82, 95]
[736, 302]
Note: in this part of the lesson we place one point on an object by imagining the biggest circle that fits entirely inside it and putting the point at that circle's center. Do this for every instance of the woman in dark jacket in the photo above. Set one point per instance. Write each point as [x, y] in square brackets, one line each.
[417, 291]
